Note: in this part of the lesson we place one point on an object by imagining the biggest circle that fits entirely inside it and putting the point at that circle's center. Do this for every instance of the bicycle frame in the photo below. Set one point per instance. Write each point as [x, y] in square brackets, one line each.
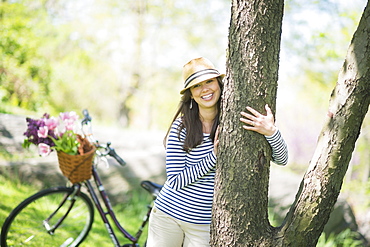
[59, 211]
[103, 213]
[87, 130]
[111, 213]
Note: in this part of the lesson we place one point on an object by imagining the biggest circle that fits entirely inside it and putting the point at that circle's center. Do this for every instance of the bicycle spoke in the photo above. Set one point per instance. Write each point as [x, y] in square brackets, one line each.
[33, 224]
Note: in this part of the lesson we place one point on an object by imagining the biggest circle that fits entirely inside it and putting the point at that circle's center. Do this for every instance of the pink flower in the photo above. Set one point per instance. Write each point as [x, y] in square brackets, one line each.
[69, 119]
[67, 116]
[51, 123]
[51, 133]
[44, 149]
[43, 132]
[69, 124]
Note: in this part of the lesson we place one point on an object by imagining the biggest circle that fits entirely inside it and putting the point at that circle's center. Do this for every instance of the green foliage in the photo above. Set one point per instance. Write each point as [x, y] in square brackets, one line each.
[346, 238]
[67, 143]
[120, 60]
[25, 73]
[316, 38]
[318, 35]
[130, 214]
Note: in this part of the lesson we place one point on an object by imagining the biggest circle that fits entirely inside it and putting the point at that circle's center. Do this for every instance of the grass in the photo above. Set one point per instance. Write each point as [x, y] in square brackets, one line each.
[13, 191]
[346, 238]
[130, 215]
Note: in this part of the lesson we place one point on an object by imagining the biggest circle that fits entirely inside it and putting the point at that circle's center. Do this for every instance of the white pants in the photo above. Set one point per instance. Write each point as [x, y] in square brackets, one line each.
[166, 231]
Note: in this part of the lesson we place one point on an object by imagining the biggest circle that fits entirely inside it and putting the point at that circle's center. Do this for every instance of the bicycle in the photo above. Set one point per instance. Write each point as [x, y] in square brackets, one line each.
[63, 216]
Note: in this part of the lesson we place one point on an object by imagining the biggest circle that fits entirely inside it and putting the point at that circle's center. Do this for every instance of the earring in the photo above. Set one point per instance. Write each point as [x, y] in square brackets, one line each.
[191, 104]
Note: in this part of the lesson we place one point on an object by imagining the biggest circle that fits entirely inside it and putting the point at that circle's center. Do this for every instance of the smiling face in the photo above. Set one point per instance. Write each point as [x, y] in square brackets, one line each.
[206, 93]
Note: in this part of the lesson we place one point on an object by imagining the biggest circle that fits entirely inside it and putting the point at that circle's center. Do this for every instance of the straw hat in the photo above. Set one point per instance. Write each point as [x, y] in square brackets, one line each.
[198, 70]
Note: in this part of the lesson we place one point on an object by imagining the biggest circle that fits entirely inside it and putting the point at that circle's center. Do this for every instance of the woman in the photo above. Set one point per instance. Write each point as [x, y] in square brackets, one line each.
[181, 215]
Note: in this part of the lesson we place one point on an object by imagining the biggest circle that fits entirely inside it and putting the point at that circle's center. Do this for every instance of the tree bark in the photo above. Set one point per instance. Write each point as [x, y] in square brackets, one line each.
[240, 216]
[322, 182]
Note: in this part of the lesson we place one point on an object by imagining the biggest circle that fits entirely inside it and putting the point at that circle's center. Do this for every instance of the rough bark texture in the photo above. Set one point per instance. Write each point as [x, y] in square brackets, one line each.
[240, 216]
[322, 182]
[241, 189]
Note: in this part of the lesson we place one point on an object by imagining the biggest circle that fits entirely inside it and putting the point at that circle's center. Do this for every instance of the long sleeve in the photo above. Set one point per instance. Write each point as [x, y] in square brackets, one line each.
[186, 168]
[279, 148]
[187, 194]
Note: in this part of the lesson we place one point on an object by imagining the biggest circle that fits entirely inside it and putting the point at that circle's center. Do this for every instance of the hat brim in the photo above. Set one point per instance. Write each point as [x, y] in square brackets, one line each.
[201, 79]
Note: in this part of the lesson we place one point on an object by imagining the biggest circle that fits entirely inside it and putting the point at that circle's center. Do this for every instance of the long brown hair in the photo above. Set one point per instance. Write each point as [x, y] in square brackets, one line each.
[191, 121]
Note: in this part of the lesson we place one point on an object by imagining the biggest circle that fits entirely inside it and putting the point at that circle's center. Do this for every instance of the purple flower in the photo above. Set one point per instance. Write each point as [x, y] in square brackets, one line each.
[47, 133]
[32, 130]
[36, 132]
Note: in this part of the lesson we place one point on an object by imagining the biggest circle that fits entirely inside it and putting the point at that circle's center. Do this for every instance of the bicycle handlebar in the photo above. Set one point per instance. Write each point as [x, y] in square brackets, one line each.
[87, 117]
[113, 154]
[86, 121]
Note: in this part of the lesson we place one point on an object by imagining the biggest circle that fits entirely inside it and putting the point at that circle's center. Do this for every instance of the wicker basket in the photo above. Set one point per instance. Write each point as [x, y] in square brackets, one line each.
[76, 168]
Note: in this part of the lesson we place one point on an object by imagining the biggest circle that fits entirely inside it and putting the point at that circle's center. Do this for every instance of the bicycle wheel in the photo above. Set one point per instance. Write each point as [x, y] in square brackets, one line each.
[25, 226]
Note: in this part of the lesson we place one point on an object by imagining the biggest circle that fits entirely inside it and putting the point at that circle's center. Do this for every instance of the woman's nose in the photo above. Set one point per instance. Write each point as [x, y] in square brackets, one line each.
[205, 87]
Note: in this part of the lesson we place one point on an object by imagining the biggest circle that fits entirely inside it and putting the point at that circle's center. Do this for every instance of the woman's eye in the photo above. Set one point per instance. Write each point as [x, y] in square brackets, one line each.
[195, 86]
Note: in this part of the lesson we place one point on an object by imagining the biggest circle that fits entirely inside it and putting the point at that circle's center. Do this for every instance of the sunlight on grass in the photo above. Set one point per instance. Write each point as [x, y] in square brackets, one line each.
[130, 215]
[11, 194]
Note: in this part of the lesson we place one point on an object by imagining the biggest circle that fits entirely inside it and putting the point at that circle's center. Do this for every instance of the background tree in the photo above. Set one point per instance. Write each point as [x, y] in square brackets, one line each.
[59, 55]
[119, 59]
[24, 72]
[241, 191]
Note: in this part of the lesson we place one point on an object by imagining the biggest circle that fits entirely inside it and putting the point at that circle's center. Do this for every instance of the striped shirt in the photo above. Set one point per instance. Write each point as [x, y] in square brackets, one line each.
[187, 194]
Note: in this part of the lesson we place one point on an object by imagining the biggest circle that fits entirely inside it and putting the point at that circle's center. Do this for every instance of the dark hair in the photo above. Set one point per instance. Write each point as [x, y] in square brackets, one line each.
[191, 121]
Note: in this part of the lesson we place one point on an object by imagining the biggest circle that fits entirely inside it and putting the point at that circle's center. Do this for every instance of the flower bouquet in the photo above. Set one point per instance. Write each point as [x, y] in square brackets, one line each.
[75, 153]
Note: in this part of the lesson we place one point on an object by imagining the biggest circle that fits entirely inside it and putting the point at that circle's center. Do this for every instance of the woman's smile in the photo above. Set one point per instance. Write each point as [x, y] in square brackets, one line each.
[206, 93]
[207, 97]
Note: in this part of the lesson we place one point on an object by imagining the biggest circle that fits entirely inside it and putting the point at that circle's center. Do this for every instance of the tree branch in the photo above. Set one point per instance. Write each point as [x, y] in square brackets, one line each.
[322, 182]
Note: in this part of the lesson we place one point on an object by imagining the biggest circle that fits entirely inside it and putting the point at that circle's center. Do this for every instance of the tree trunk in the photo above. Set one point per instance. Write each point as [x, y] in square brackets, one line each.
[322, 182]
[240, 216]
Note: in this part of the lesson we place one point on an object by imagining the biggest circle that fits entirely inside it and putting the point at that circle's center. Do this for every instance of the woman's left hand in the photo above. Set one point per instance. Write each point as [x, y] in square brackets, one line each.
[257, 122]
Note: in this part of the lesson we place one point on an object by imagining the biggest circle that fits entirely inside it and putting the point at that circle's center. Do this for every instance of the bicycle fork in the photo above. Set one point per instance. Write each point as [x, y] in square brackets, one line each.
[67, 198]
